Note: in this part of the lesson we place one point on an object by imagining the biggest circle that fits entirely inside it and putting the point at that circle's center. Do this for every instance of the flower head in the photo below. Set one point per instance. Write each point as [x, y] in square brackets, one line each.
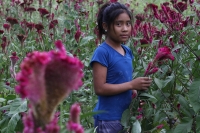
[1, 31]
[46, 78]
[11, 20]
[77, 35]
[160, 126]
[29, 9]
[6, 26]
[43, 11]
[180, 6]
[164, 53]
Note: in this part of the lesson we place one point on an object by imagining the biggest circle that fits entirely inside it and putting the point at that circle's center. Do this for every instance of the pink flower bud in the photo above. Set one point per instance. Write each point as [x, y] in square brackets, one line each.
[6, 26]
[160, 126]
[139, 117]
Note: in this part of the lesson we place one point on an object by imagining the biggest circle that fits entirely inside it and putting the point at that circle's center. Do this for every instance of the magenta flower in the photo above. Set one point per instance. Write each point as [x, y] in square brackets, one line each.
[178, 106]
[43, 11]
[144, 41]
[75, 112]
[180, 6]
[39, 27]
[77, 128]
[77, 35]
[139, 117]
[74, 119]
[139, 109]
[160, 126]
[6, 26]
[14, 58]
[30, 25]
[46, 78]
[112, 1]
[11, 20]
[53, 23]
[29, 9]
[164, 53]
[30, 126]
[152, 71]
[191, 1]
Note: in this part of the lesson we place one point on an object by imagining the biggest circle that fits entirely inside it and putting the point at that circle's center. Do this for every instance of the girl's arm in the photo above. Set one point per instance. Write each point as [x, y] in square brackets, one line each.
[106, 89]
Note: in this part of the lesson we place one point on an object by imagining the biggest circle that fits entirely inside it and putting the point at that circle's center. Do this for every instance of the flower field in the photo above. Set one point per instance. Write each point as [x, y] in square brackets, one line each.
[45, 77]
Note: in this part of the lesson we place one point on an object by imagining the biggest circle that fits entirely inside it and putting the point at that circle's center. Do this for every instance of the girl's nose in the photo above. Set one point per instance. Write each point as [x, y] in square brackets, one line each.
[125, 28]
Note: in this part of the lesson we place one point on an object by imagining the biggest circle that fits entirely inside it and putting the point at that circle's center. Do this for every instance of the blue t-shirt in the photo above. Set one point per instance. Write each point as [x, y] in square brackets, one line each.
[119, 70]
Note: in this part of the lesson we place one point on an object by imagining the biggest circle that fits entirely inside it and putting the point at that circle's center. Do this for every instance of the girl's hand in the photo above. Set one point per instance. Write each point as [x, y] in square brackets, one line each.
[141, 83]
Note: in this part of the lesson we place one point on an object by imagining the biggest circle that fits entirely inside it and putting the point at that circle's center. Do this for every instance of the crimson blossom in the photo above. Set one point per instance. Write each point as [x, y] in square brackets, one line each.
[164, 53]
[46, 78]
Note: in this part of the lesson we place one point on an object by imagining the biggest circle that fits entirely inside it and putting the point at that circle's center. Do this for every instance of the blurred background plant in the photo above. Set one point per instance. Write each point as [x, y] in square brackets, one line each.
[160, 26]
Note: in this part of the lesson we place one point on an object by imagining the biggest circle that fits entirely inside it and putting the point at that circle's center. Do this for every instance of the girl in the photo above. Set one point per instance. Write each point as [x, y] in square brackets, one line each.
[112, 68]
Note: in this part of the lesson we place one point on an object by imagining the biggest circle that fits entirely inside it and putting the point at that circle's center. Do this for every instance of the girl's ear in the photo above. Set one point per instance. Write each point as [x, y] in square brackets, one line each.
[105, 27]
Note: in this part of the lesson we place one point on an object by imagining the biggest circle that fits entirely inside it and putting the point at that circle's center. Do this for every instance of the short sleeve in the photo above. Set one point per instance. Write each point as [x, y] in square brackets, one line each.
[100, 55]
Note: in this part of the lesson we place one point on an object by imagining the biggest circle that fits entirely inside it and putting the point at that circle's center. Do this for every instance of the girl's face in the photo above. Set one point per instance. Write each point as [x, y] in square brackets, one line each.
[120, 29]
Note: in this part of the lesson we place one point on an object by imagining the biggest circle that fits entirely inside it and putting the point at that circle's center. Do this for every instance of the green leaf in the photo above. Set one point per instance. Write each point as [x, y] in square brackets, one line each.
[7, 107]
[185, 106]
[185, 126]
[136, 127]
[198, 124]
[194, 95]
[152, 98]
[85, 40]
[125, 118]
[159, 117]
[2, 100]
[12, 123]
[18, 106]
[4, 122]
[10, 97]
[162, 83]
[8, 87]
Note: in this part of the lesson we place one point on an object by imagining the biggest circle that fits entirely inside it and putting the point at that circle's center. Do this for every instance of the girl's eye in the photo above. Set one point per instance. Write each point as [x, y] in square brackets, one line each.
[118, 24]
[128, 24]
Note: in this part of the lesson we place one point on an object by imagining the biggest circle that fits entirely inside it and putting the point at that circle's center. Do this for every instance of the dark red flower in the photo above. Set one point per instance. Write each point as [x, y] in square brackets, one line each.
[180, 6]
[77, 35]
[3, 46]
[29, 9]
[30, 25]
[43, 11]
[53, 23]
[11, 20]
[39, 27]
[178, 106]
[21, 37]
[140, 17]
[59, 1]
[1, 31]
[99, 2]
[6, 26]
[4, 39]
[143, 41]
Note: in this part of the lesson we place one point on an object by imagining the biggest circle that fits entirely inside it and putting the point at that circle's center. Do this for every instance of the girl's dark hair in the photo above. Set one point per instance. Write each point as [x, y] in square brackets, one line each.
[108, 13]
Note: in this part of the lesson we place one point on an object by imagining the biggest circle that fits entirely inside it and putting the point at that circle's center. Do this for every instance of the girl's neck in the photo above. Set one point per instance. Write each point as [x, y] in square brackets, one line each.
[115, 45]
